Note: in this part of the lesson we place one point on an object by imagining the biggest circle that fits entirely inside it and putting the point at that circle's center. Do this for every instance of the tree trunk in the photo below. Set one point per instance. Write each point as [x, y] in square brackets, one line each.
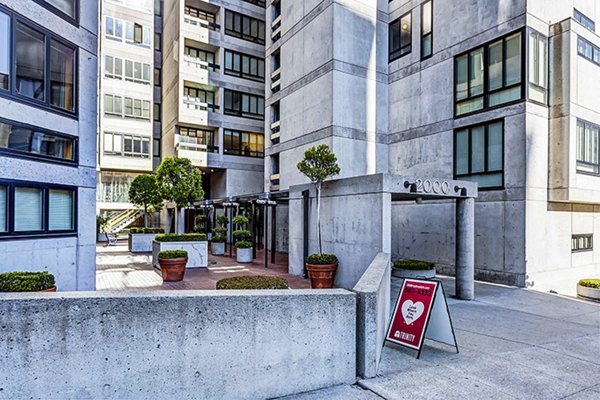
[319, 218]
[145, 216]
[176, 219]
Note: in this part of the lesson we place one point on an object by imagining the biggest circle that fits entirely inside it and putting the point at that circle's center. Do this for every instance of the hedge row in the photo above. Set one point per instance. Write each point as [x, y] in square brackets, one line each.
[146, 230]
[186, 237]
[26, 281]
[413, 265]
[252, 282]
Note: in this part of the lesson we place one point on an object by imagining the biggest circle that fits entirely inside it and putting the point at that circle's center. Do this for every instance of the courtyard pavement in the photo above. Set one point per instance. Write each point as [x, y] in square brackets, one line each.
[514, 344]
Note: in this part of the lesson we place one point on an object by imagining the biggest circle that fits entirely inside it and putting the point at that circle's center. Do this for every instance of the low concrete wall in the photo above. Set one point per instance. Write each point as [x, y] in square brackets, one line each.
[180, 345]
[373, 311]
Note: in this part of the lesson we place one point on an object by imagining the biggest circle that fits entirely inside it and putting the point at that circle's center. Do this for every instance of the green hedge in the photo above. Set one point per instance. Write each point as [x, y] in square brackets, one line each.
[322, 259]
[591, 283]
[252, 282]
[186, 237]
[26, 281]
[146, 230]
[168, 254]
[414, 265]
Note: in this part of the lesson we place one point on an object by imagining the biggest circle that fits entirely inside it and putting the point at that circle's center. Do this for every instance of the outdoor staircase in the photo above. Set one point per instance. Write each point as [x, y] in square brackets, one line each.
[122, 220]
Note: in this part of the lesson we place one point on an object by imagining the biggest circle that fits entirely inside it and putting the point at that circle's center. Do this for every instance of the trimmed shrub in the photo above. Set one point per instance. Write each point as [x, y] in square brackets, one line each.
[591, 283]
[240, 220]
[322, 259]
[414, 265]
[222, 220]
[243, 244]
[146, 230]
[252, 282]
[242, 234]
[216, 238]
[186, 237]
[26, 281]
[168, 254]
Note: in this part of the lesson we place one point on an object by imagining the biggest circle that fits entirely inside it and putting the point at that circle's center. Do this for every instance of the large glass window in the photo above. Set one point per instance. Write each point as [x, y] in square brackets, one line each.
[400, 37]
[588, 50]
[426, 29]
[126, 107]
[5, 44]
[60, 210]
[28, 209]
[200, 14]
[201, 55]
[588, 147]
[29, 141]
[126, 145]
[244, 105]
[479, 154]
[583, 20]
[501, 61]
[244, 66]
[62, 76]
[538, 67]
[198, 136]
[244, 27]
[31, 62]
[67, 7]
[243, 143]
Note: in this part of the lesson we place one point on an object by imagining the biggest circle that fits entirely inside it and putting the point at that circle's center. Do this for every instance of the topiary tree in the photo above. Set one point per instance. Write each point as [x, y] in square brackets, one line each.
[179, 182]
[319, 164]
[144, 192]
[243, 236]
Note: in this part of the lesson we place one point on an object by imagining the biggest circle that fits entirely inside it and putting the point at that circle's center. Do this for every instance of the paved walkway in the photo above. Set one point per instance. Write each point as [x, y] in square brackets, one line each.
[514, 344]
[119, 270]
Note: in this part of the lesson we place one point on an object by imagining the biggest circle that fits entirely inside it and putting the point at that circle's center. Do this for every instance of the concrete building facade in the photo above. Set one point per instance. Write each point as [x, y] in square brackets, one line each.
[498, 93]
[48, 87]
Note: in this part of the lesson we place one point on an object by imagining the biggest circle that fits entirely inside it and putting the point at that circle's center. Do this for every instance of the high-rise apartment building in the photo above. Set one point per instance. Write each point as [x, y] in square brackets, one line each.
[500, 93]
[48, 86]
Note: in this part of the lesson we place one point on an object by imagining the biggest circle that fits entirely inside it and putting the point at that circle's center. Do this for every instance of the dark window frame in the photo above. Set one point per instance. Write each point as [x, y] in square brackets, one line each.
[238, 151]
[595, 49]
[212, 134]
[40, 157]
[486, 172]
[71, 19]
[575, 242]
[241, 74]
[12, 94]
[260, 3]
[240, 112]
[399, 53]
[11, 234]
[425, 35]
[486, 92]
[577, 161]
[244, 19]
[584, 20]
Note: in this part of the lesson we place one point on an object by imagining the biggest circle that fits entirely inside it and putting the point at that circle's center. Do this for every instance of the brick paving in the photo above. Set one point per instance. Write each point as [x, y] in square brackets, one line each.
[119, 270]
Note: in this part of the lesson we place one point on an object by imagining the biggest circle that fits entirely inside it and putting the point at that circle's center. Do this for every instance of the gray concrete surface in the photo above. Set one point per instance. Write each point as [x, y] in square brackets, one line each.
[514, 344]
[175, 345]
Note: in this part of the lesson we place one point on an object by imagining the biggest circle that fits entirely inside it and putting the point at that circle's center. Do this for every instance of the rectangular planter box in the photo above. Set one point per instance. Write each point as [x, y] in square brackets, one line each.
[197, 252]
[141, 242]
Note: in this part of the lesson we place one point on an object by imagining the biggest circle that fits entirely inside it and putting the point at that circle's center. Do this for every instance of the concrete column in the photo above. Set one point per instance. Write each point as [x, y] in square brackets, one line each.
[465, 249]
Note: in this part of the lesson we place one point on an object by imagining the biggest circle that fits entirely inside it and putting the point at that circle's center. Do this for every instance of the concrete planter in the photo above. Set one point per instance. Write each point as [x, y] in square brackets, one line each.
[588, 292]
[217, 249]
[197, 252]
[413, 274]
[243, 255]
[141, 242]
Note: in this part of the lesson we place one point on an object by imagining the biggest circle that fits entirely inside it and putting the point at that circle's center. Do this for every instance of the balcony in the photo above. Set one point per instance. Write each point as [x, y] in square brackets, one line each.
[197, 28]
[194, 111]
[196, 70]
[276, 29]
[274, 182]
[276, 80]
[187, 147]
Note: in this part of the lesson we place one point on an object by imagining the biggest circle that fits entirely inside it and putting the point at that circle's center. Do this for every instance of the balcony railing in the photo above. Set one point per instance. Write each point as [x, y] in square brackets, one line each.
[198, 63]
[276, 80]
[201, 23]
[197, 104]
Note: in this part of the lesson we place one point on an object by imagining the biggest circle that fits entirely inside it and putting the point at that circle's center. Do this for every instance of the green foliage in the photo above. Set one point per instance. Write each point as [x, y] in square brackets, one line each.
[100, 222]
[179, 181]
[170, 254]
[216, 238]
[240, 220]
[144, 192]
[200, 218]
[222, 220]
[220, 230]
[146, 230]
[322, 259]
[242, 234]
[185, 237]
[319, 163]
[414, 265]
[591, 283]
[243, 244]
[252, 282]
[26, 281]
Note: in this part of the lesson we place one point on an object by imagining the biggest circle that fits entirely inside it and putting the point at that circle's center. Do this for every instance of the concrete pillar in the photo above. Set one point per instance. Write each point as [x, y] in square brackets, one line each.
[465, 249]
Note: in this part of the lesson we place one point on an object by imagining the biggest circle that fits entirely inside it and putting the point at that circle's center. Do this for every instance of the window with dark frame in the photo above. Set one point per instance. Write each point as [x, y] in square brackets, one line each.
[67, 9]
[244, 105]
[199, 136]
[247, 144]
[202, 55]
[588, 147]
[244, 66]
[34, 209]
[244, 27]
[583, 20]
[426, 29]
[400, 37]
[201, 14]
[203, 95]
[479, 154]
[490, 75]
[582, 242]
[588, 50]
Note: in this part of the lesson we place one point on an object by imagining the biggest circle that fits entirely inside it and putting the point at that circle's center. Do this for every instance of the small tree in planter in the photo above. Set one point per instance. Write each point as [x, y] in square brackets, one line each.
[144, 192]
[179, 182]
[243, 240]
[318, 165]
[219, 236]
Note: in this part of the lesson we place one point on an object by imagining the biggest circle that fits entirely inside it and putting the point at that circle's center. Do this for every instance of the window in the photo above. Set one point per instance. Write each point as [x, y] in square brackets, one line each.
[244, 66]
[244, 105]
[588, 147]
[133, 33]
[588, 50]
[126, 107]
[126, 145]
[426, 29]
[583, 20]
[156, 112]
[479, 154]
[582, 242]
[243, 143]
[31, 62]
[157, 7]
[66, 8]
[198, 136]
[5, 45]
[400, 39]
[137, 72]
[25, 141]
[244, 27]
[538, 67]
[157, 77]
[201, 55]
[62, 76]
[200, 14]
[489, 76]
[201, 95]
[157, 42]
[260, 3]
[156, 147]
[32, 209]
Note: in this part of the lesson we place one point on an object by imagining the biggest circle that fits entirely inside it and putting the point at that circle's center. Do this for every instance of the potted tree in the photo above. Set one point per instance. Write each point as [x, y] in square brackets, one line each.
[319, 164]
[27, 282]
[219, 236]
[100, 228]
[144, 193]
[180, 183]
[172, 264]
[415, 269]
[243, 237]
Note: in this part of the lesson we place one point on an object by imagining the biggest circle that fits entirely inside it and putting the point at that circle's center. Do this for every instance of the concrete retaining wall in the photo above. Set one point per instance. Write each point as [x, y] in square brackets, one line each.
[184, 345]
[373, 312]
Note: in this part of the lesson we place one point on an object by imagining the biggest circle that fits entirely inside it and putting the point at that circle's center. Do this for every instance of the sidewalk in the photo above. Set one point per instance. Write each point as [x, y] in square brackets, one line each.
[514, 344]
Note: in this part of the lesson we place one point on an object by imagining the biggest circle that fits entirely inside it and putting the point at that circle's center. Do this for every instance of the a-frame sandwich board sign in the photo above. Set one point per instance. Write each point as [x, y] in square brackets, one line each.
[421, 313]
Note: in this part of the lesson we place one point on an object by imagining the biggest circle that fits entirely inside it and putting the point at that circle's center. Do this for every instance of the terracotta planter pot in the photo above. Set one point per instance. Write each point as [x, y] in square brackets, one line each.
[321, 276]
[52, 289]
[172, 269]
